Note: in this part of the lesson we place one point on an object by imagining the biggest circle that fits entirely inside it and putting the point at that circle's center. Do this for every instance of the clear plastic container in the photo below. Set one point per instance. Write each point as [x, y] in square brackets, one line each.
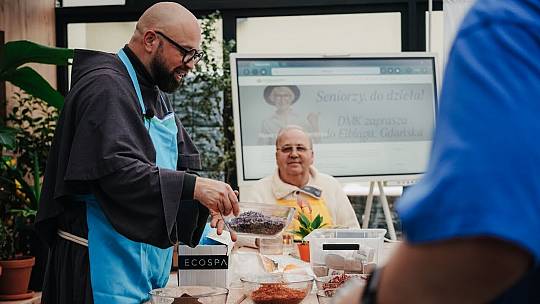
[260, 220]
[271, 246]
[343, 242]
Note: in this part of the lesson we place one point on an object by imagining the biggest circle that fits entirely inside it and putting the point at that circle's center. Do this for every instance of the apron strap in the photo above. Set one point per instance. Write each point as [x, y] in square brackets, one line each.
[167, 111]
[131, 71]
[71, 237]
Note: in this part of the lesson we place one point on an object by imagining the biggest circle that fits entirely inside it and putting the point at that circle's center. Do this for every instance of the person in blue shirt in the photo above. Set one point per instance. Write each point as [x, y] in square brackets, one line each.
[472, 224]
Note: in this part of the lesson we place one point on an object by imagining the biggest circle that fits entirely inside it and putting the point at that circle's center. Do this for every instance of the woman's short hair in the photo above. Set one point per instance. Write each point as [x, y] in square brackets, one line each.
[268, 91]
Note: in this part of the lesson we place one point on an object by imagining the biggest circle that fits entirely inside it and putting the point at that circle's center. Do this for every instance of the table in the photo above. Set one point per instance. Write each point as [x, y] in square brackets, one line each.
[235, 293]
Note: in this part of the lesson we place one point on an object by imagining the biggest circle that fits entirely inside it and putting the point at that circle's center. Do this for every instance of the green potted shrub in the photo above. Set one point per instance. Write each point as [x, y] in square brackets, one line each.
[24, 145]
[305, 228]
[16, 269]
[6, 243]
[14, 56]
[21, 168]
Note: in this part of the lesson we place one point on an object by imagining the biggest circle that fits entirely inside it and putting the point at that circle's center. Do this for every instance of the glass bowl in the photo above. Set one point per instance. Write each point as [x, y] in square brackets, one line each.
[277, 288]
[260, 220]
[189, 295]
[336, 281]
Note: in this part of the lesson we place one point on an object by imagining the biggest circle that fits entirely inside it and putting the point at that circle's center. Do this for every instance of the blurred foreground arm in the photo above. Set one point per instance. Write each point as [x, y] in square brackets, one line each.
[474, 270]
[463, 271]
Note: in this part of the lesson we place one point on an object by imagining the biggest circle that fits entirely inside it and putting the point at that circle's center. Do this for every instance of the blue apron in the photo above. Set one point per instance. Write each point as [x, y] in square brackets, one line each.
[121, 270]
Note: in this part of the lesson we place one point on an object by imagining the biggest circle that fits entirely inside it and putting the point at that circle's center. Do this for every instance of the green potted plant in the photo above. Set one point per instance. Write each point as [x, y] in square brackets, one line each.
[24, 144]
[305, 228]
[16, 269]
[21, 168]
[14, 54]
[13, 57]
[6, 243]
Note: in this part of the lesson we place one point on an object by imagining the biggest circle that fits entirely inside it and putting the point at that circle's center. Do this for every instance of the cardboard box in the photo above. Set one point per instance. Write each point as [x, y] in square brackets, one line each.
[206, 265]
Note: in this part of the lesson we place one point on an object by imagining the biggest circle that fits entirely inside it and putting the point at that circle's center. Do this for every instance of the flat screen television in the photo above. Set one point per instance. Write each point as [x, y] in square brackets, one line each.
[371, 117]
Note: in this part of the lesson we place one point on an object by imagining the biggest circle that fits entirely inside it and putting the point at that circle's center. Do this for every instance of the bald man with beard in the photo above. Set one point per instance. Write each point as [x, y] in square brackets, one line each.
[118, 192]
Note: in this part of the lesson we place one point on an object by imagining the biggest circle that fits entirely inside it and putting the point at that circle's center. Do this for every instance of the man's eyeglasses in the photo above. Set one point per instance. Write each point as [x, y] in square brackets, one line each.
[288, 149]
[189, 55]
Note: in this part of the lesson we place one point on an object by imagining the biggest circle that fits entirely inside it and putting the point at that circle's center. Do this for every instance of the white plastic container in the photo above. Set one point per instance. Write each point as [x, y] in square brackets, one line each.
[343, 241]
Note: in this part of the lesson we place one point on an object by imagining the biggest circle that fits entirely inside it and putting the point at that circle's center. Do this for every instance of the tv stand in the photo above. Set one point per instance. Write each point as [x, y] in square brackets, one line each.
[386, 209]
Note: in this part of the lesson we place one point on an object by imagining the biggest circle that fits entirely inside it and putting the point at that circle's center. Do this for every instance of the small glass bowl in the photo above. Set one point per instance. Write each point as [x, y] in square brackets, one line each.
[277, 288]
[322, 281]
[189, 295]
[260, 220]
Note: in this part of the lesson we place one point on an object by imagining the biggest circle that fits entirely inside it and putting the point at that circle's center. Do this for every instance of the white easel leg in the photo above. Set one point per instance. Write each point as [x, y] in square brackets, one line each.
[369, 203]
[387, 214]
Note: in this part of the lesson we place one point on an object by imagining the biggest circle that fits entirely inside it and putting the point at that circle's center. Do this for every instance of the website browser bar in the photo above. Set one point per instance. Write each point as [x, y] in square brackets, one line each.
[333, 80]
[326, 71]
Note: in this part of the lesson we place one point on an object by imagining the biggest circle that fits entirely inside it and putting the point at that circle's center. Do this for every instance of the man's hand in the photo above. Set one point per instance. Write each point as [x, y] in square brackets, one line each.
[216, 196]
[219, 223]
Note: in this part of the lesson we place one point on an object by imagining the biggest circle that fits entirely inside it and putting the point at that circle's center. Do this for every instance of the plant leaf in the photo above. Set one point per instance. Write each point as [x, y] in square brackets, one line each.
[305, 231]
[30, 81]
[316, 222]
[24, 212]
[7, 137]
[304, 221]
[17, 53]
[299, 233]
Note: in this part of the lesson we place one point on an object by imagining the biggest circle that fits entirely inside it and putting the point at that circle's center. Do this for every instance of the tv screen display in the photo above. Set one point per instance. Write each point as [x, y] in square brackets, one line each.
[370, 117]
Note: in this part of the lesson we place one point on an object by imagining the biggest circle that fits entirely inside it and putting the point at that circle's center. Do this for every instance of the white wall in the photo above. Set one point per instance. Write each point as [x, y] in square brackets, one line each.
[103, 36]
[346, 33]
[67, 3]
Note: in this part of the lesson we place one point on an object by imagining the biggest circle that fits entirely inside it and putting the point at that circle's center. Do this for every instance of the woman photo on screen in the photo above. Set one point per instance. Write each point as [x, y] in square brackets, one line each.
[282, 97]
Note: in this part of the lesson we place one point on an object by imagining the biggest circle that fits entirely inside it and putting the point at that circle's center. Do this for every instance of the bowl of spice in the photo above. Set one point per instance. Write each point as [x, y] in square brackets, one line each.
[189, 295]
[277, 288]
[260, 220]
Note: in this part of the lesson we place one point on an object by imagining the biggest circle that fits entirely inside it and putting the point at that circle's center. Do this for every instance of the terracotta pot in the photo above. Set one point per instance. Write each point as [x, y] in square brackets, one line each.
[16, 275]
[303, 250]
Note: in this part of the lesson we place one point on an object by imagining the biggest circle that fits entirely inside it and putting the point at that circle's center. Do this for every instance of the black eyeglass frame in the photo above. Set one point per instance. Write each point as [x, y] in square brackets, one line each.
[189, 54]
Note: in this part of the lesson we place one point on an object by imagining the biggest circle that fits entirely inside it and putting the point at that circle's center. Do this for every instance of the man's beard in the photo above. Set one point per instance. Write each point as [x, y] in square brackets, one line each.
[164, 79]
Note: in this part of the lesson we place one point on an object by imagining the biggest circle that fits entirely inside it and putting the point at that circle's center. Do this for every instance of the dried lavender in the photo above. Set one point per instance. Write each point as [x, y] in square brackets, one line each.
[257, 223]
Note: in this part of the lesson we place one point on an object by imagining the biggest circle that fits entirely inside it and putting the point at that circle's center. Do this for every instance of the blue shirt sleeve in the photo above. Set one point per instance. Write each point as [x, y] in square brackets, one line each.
[483, 178]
